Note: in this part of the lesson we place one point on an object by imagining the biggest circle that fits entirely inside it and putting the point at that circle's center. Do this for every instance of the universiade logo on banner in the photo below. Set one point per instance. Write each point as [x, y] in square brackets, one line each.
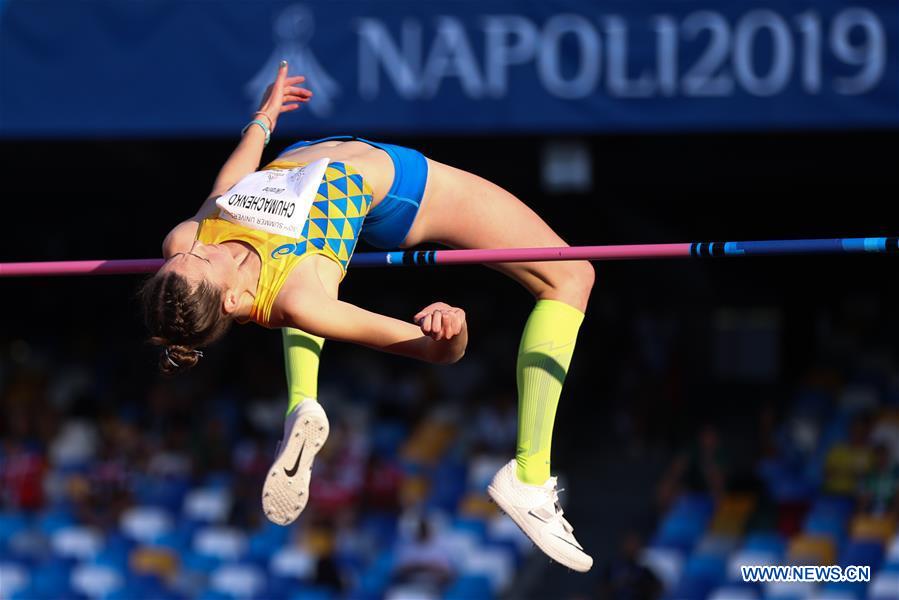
[293, 29]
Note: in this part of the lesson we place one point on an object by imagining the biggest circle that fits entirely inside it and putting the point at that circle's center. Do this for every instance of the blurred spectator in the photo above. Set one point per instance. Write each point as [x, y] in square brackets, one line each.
[383, 481]
[703, 468]
[21, 476]
[849, 461]
[879, 492]
[625, 578]
[422, 561]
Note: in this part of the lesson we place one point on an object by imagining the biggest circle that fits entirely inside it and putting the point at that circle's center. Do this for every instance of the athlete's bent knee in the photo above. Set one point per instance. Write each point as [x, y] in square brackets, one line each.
[571, 282]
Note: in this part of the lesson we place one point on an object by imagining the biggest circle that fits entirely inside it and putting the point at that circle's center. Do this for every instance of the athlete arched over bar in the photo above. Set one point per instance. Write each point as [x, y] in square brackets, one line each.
[217, 272]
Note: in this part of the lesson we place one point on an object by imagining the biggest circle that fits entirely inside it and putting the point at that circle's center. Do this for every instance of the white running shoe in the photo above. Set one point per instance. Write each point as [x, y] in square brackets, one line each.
[286, 488]
[535, 509]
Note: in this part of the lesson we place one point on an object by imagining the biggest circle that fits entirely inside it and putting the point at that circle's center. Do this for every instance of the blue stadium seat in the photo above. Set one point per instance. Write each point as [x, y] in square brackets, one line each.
[10, 525]
[50, 579]
[680, 531]
[700, 505]
[51, 521]
[832, 525]
[884, 586]
[313, 593]
[469, 587]
[856, 589]
[766, 542]
[862, 553]
[841, 506]
[476, 526]
[388, 436]
[702, 573]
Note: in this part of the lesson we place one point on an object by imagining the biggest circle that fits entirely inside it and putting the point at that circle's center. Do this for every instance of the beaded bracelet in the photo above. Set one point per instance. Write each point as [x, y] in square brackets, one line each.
[268, 132]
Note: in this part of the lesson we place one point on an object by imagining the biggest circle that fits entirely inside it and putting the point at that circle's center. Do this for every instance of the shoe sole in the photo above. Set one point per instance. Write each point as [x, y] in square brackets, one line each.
[285, 497]
[506, 508]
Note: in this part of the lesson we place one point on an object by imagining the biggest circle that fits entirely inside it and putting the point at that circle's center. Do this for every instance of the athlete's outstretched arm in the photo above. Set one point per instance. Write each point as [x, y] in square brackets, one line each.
[283, 95]
[440, 336]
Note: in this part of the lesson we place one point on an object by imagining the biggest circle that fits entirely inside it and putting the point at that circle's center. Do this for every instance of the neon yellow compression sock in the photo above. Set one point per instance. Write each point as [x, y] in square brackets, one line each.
[301, 354]
[543, 358]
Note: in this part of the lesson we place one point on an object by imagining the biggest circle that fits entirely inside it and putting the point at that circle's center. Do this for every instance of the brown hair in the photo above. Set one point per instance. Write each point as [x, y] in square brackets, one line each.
[181, 318]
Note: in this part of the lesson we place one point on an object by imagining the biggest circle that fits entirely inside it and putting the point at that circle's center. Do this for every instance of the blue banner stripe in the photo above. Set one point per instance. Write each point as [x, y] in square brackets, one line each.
[468, 66]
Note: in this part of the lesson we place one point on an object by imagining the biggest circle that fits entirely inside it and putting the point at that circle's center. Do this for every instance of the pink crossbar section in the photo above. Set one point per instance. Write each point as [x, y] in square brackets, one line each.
[628, 252]
[444, 257]
[80, 267]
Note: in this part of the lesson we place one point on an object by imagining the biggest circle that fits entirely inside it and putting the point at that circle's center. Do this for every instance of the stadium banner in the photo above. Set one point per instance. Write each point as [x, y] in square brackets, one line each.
[167, 68]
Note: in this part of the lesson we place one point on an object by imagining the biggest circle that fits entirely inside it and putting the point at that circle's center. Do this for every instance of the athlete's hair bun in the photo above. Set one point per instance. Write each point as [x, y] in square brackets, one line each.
[176, 358]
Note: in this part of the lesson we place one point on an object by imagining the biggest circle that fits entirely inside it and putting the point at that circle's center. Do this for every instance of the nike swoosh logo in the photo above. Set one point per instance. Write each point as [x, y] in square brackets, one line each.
[296, 465]
[567, 542]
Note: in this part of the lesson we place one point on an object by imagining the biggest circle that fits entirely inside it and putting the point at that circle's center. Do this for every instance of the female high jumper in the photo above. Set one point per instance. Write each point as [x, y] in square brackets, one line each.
[224, 265]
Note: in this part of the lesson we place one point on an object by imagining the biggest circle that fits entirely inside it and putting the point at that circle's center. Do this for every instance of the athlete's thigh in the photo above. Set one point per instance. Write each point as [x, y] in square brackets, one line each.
[463, 210]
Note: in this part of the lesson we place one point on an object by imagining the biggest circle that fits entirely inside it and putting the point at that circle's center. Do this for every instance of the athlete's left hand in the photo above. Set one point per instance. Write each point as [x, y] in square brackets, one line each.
[283, 95]
[441, 321]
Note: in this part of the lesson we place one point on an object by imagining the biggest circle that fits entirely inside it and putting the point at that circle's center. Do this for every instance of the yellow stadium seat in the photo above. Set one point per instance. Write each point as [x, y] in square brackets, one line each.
[476, 504]
[869, 527]
[812, 550]
[146, 560]
[732, 513]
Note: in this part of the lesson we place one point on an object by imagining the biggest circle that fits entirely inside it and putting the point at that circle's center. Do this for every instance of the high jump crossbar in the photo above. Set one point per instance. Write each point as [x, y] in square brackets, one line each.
[413, 258]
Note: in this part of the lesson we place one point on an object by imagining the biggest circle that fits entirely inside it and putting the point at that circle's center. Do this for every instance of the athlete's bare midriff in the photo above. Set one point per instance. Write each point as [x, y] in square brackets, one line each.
[374, 164]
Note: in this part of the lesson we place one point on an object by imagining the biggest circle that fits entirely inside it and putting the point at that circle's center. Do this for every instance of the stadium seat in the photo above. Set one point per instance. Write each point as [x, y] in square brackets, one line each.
[223, 543]
[77, 542]
[841, 506]
[680, 531]
[827, 525]
[495, 564]
[154, 560]
[768, 542]
[312, 593]
[862, 553]
[476, 526]
[812, 549]
[731, 514]
[702, 573]
[665, 563]
[721, 545]
[50, 521]
[787, 590]
[734, 593]
[146, 524]
[843, 590]
[96, 581]
[877, 528]
[207, 505]
[10, 525]
[834, 595]
[884, 586]
[476, 505]
[892, 550]
[503, 529]
[237, 580]
[13, 578]
[470, 587]
[292, 562]
[458, 543]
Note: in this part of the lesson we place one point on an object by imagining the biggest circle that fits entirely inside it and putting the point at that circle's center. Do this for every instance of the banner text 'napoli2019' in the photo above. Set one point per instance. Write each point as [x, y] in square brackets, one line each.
[175, 68]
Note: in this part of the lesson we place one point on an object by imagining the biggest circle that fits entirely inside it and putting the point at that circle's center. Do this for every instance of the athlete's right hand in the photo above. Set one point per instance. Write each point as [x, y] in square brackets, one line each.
[283, 95]
[441, 321]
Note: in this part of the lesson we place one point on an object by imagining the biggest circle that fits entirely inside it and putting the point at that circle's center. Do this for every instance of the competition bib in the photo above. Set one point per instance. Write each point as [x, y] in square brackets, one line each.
[275, 201]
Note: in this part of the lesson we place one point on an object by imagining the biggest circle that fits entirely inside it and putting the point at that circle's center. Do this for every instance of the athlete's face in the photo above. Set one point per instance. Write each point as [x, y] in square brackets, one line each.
[205, 262]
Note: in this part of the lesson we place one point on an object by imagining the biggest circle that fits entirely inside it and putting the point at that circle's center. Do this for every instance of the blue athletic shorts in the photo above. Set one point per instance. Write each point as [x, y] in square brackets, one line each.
[387, 225]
